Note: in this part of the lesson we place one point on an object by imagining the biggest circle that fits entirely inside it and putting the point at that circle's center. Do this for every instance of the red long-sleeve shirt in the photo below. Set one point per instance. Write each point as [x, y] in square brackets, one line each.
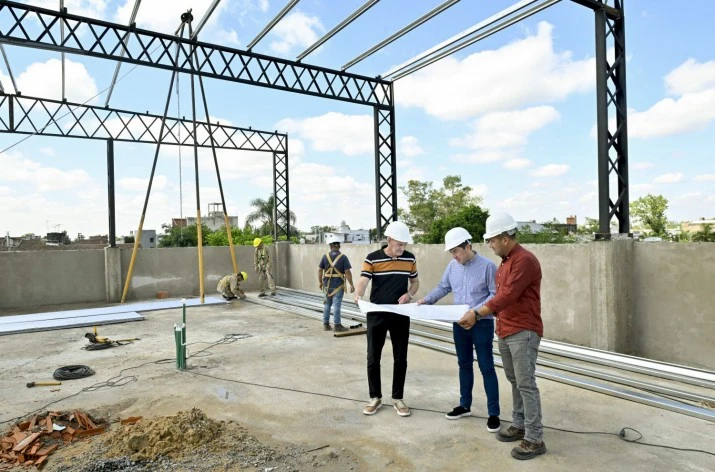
[517, 302]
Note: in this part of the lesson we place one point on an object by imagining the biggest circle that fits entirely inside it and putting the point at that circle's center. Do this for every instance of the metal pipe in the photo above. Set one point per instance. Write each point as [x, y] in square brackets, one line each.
[203, 21]
[289, 6]
[125, 40]
[199, 229]
[9, 70]
[151, 175]
[62, 54]
[439, 55]
[418, 22]
[353, 16]
[110, 194]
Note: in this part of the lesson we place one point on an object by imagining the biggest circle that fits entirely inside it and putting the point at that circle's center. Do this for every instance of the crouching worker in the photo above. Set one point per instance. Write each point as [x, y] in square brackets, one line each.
[229, 286]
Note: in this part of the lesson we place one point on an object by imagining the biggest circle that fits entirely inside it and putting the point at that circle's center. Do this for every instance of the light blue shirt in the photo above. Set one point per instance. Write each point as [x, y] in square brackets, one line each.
[473, 283]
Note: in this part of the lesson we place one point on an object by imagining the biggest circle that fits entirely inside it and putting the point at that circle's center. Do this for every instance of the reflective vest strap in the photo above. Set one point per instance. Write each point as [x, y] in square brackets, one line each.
[332, 272]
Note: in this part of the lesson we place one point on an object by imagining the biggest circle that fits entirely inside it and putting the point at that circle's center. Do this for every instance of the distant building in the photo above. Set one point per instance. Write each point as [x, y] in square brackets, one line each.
[697, 226]
[533, 226]
[213, 221]
[148, 239]
[347, 235]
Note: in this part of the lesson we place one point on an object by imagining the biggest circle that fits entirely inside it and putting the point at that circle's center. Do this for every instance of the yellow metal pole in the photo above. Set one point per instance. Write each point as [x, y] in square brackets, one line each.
[137, 238]
[230, 242]
[199, 233]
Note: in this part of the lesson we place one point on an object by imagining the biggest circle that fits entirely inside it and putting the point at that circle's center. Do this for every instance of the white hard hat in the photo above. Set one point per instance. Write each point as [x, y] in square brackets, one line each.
[455, 237]
[499, 223]
[399, 231]
[332, 239]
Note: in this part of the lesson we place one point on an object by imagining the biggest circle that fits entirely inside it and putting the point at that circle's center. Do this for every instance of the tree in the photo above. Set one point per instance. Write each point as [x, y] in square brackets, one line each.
[549, 236]
[650, 211]
[263, 214]
[128, 239]
[705, 235]
[426, 205]
[183, 237]
[591, 226]
[472, 218]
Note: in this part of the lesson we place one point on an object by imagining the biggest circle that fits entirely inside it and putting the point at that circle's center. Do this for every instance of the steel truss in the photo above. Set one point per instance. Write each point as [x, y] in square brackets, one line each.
[40, 28]
[31, 115]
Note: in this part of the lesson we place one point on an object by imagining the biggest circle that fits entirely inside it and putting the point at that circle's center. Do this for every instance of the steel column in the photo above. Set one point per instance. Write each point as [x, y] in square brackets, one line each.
[281, 201]
[611, 99]
[110, 194]
[385, 169]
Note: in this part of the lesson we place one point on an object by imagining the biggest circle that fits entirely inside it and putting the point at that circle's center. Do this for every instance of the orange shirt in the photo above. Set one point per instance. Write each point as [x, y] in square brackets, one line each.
[517, 303]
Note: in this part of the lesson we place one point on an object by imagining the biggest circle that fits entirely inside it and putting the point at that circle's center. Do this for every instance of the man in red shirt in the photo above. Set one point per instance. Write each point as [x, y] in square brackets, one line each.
[517, 309]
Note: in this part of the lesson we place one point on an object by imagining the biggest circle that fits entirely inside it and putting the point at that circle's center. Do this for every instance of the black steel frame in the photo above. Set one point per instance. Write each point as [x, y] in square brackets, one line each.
[30, 26]
[611, 99]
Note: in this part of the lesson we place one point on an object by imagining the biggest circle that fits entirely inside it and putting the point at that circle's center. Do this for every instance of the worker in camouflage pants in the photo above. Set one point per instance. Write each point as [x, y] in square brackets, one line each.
[262, 264]
[229, 286]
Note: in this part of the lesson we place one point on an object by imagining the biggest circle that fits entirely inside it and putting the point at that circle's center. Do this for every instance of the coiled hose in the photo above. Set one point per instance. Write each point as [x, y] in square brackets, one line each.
[70, 372]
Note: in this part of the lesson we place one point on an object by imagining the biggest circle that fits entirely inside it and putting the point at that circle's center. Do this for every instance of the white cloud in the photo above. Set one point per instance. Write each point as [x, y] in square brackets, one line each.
[16, 168]
[668, 178]
[44, 79]
[551, 170]
[642, 188]
[704, 178]
[296, 30]
[409, 146]
[501, 136]
[642, 165]
[523, 72]
[227, 37]
[691, 77]
[517, 164]
[140, 184]
[350, 134]
[91, 8]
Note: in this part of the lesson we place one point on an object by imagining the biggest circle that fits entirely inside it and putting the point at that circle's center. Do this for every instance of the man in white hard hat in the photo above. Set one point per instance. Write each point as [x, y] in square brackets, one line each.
[393, 272]
[471, 279]
[333, 271]
[517, 307]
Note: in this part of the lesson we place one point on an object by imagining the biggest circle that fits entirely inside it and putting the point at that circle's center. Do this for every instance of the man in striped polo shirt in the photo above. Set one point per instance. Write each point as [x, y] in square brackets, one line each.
[393, 272]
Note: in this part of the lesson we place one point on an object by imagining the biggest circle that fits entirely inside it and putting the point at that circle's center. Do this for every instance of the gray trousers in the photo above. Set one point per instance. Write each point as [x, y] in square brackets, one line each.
[518, 353]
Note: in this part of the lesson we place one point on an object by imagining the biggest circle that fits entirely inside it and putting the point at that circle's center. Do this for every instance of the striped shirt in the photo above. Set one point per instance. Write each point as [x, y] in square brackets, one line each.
[471, 284]
[389, 276]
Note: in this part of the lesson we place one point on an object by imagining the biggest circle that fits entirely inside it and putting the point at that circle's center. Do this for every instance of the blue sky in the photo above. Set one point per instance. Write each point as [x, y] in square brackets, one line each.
[514, 115]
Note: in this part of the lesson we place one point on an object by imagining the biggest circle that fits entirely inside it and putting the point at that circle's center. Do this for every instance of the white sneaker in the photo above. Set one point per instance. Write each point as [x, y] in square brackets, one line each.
[372, 407]
[401, 408]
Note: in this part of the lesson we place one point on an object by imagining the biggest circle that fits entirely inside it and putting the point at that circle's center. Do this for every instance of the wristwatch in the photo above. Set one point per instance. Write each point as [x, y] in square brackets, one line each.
[477, 316]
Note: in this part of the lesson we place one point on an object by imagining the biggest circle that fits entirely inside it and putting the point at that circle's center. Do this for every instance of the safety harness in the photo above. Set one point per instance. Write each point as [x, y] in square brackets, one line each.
[332, 272]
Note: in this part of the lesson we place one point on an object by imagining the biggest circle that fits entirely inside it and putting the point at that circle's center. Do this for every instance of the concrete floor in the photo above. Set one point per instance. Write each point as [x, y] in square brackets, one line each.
[293, 352]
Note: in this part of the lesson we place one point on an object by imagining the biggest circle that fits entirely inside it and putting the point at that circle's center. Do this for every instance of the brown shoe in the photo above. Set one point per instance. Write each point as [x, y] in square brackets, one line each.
[511, 434]
[528, 450]
[372, 407]
[401, 408]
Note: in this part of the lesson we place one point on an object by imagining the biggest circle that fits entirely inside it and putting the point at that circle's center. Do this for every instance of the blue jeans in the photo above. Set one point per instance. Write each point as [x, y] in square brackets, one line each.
[518, 353]
[480, 339]
[336, 300]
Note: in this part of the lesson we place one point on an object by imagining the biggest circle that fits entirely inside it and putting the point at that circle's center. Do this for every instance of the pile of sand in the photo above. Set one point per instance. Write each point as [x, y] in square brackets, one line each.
[168, 436]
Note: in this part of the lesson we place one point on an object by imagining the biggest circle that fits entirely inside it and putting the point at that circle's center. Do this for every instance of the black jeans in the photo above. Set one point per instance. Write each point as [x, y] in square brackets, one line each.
[378, 325]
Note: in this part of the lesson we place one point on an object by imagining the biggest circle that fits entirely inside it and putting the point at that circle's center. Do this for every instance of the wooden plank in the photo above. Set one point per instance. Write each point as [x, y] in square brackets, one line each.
[33, 422]
[130, 420]
[89, 432]
[26, 442]
[48, 424]
[46, 451]
[40, 462]
[352, 332]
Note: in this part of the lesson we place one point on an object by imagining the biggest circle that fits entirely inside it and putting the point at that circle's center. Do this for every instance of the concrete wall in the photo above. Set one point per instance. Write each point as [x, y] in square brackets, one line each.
[177, 270]
[38, 278]
[674, 316]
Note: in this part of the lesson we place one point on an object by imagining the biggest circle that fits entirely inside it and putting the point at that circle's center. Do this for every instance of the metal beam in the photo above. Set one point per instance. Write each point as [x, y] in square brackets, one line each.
[202, 22]
[62, 55]
[451, 50]
[596, 5]
[32, 115]
[9, 70]
[110, 194]
[289, 6]
[353, 16]
[30, 26]
[462, 39]
[132, 19]
[418, 22]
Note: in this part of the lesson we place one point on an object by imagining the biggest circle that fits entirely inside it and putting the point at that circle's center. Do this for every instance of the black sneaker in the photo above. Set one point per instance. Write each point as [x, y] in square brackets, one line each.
[273, 294]
[326, 327]
[528, 450]
[261, 294]
[458, 412]
[340, 328]
[511, 434]
[493, 424]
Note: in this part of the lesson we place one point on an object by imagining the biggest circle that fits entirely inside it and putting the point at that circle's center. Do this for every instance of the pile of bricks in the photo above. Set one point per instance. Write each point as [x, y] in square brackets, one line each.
[31, 442]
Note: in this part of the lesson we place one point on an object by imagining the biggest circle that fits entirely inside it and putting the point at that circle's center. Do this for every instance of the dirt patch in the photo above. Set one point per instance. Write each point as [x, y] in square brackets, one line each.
[191, 441]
